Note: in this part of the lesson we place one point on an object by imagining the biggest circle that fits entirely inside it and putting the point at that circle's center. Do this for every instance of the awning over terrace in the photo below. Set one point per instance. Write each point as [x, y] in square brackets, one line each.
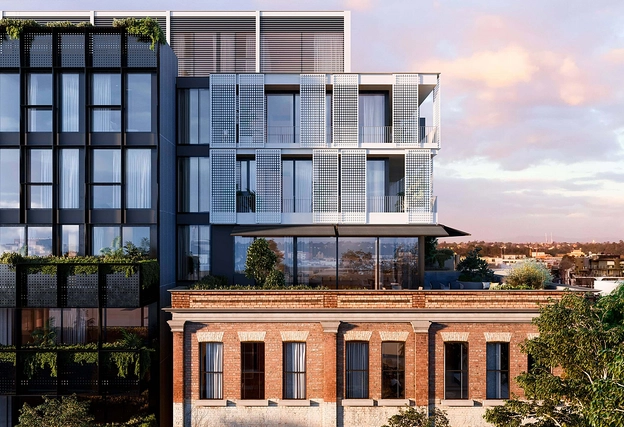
[347, 230]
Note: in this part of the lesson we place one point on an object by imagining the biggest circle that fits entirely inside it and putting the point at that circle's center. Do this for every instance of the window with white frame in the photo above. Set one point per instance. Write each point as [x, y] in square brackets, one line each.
[211, 370]
[294, 370]
[497, 377]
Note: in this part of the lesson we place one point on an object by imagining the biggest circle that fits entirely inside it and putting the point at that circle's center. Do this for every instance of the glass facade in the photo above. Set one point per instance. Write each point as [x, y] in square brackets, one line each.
[39, 102]
[193, 252]
[138, 103]
[106, 101]
[282, 118]
[106, 189]
[194, 116]
[193, 184]
[40, 174]
[297, 186]
[9, 178]
[9, 102]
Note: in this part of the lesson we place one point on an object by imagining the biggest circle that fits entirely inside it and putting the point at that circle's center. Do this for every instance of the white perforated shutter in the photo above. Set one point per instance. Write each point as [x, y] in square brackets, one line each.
[268, 186]
[223, 110]
[418, 186]
[325, 185]
[345, 110]
[353, 185]
[312, 114]
[223, 186]
[251, 116]
[437, 100]
[405, 115]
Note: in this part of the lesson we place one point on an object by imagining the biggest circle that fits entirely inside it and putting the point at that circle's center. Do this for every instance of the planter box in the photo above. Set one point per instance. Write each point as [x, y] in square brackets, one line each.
[122, 291]
[7, 286]
[82, 290]
[41, 290]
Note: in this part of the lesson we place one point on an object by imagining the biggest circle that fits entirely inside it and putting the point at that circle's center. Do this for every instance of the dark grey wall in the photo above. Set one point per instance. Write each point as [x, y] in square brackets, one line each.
[222, 251]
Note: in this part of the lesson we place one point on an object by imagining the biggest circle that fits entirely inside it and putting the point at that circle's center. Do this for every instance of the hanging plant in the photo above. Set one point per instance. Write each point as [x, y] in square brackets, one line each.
[7, 354]
[144, 28]
[15, 27]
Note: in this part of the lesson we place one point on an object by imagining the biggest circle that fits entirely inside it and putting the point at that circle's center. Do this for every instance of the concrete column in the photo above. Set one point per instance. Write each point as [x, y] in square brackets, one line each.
[179, 372]
[421, 361]
[330, 389]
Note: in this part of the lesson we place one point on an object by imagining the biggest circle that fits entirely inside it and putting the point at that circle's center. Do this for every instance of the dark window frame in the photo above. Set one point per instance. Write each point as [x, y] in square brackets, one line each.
[350, 391]
[501, 372]
[252, 370]
[388, 374]
[461, 376]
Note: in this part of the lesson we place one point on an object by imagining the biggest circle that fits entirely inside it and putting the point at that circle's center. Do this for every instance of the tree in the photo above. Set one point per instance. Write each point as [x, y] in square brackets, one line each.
[583, 338]
[68, 412]
[528, 275]
[442, 255]
[261, 261]
[412, 417]
[473, 268]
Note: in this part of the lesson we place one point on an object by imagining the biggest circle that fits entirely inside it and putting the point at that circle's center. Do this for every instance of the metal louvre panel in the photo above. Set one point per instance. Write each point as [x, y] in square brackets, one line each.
[405, 108]
[353, 185]
[223, 186]
[418, 186]
[251, 110]
[312, 115]
[325, 186]
[268, 186]
[223, 110]
[302, 44]
[207, 45]
[345, 110]
[437, 100]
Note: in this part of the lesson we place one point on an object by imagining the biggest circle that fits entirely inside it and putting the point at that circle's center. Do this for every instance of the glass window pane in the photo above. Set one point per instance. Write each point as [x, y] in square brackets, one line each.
[356, 370]
[70, 103]
[9, 102]
[40, 241]
[40, 197]
[393, 370]
[241, 245]
[39, 120]
[316, 261]
[139, 103]
[193, 252]
[399, 261]
[71, 240]
[41, 166]
[106, 196]
[356, 262]
[70, 189]
[138, 236]
[12, 240]
[107, 166]
[106, 89]
[9, 178]
[105, 120]
[139, 179]
[211, 374]
[252, 370]
[280, 118]
[294, 375]
[106, 239]
[40, 89]
[193, 181]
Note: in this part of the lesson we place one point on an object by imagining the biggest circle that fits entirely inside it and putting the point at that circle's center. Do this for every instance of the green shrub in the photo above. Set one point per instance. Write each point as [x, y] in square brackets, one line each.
[210, 282]
[528, 275]
[261, 261]
[412, 417]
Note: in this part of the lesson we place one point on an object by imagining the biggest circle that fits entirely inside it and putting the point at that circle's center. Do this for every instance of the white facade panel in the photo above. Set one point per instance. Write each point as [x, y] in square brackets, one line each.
[268, 186]
[345, 110]
[223, 186]
[436, 112]
[418, 186]
[251, 110]
[353, 186]
[312, 113]
[223, 110]
[405, 114]
[325, 186]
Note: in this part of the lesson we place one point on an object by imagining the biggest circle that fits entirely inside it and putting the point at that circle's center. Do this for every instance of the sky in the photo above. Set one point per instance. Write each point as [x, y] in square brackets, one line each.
[532, 102]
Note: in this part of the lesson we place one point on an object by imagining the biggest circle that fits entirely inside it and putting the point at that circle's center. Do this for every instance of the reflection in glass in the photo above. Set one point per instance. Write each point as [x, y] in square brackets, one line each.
[9, 178]
[283, 118]
[139, 103]
[241, 246]
[497, 365]
[139, 179]
[297, 186]
[40, 93]
[316, 261]
[106, 166]
[356, 262]
[105, 120]
[106, 197]
[283, 247]
[138, 236]
[40, 196]
[71, 241]
[118, 320]
[106, 91]
[59, 325]
[399, 261]
[39, 241]
[194, 110]
[9, 102]
[106, 239]
[70, 177]
[392, 370]
[194, 189]
[194, 252]
[12, 240]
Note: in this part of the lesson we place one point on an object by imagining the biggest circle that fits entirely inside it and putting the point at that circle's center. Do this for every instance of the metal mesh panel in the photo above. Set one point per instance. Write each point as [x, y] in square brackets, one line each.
[7, 375]
[82, 291]
[122, 291]
[223, 185]
[268, 186]
[353, 185]
[9, 52]
[71, 47]
[105, 50]
[41, 290]
[436, 112]
[345, 110]
[405, 108]
[312, 117]
[38, 49]
[76, 377]
[251, 110]
[7, 286]
[139, 52]
[223, 110]
[325, 186]
[418, 191]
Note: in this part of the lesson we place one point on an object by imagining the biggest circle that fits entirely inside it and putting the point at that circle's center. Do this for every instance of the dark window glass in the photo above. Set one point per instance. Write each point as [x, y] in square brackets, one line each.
[245, 186]
[294, 370]
[139, 103]
[393, 370]
[211, 370]
[456, 370]
[316, 261]
[283, 118]
[193, 184]
[194, 116]
[497, 370]
[252, 370]
[193, 252]
[356, 370]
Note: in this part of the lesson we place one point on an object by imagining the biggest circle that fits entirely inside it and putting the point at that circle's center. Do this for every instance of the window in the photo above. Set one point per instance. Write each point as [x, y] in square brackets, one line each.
[497, 370]
[193, 184]
[283, 118]
[211, 370]
[356, 370]
[26, 240]
[193, 252]
[252, 370]
[40, 179]
[297, 186]
[9, 102]
[245, 186]
[39, 103]
[70, 103]
[456, 370]
[372, 118]
[294, 370]
[139, 103]
[70, 190]
[9, 178]
[392, 370]
[106, 239]
[194, 116]
[12, 239]
[139, 179]
[241, 245]
[106, 191]
[72, 242]
[106, 103]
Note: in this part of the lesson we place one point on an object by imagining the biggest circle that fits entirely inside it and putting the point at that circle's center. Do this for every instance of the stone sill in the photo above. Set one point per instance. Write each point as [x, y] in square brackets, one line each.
[494, 402]
[457, 402]
[253, 402]
[294, 402]
[210, 402]
[358, 402]
[394, 402]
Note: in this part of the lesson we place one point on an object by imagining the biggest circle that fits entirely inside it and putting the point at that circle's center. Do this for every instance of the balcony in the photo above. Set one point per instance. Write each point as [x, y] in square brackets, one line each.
[123, 285]
[386, 204]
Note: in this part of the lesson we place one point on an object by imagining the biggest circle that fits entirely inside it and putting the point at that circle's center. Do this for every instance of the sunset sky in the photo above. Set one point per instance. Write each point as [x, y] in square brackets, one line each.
[532, 102]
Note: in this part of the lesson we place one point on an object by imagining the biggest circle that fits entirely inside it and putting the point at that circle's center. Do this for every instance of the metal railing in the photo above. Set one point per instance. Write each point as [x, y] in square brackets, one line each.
[282, 134]
[375, 134]
[386, 204]
[245, 203]
[290, 205]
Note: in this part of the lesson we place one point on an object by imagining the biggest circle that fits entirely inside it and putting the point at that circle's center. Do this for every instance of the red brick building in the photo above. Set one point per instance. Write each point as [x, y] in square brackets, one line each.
[345, 358]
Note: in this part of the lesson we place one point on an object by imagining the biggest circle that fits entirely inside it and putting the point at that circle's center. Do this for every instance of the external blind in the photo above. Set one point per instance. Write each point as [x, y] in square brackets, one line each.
[302, 44]
[207, 45]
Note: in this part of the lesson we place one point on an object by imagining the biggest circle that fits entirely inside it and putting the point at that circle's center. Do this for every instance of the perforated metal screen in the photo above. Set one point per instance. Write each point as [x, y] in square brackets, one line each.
[353, 185]
[268, 186]
[437, 99]
[251, 110]
[312, 95]
[223, 186]
[345, 110]
[418, 186]
[405, 115]
[223, 110]
[325, 186]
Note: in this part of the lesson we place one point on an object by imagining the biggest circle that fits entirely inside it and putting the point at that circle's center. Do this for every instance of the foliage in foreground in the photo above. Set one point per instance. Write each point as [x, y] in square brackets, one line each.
[412, 417]
[583, 337]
